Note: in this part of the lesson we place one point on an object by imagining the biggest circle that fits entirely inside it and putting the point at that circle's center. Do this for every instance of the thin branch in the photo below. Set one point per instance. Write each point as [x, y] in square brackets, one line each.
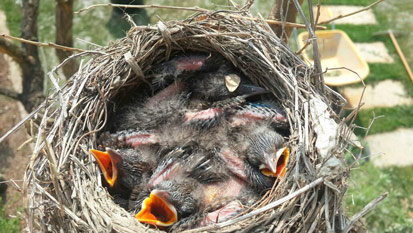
[14, 51]
[17, 126]
[198, 9]
[260, 210]
[275, 22]
[41, 44]
[195, 8]
[364, 211]
[313, 39]
[352, 13]
[10, 93]
[307, 43]
[318, 12]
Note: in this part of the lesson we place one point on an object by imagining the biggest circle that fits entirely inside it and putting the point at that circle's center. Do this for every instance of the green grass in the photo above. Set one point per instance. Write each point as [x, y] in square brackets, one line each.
[12, 11]
[395, 213]
[8, 225]
[393, 118]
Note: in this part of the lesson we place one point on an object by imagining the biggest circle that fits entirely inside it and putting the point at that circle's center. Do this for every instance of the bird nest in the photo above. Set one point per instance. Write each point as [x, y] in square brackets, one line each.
[63, 182]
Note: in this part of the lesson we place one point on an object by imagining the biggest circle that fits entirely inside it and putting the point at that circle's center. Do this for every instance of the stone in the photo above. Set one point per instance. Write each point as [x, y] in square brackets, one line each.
[391, 148]
[387, 93]
[374, 52]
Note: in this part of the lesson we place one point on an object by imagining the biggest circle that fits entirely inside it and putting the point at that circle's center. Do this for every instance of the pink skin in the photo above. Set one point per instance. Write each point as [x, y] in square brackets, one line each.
[222, 214]
[167, 173]
[173, 89]
[202, 115]
[140, 139]
[230, 188]
[183, 64]
[234, 163]
[190, 63]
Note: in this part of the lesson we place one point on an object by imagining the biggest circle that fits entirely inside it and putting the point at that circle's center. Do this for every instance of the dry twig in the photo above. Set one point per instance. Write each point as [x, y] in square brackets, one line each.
[352, 13]
[197, 9]
[364, 211]
[42, 44]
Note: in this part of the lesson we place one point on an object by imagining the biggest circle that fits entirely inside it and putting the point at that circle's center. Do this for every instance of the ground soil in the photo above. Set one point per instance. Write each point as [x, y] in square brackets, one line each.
[12, 161]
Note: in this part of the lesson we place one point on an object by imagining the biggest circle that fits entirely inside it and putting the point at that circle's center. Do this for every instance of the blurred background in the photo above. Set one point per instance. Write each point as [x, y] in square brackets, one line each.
[386, 163]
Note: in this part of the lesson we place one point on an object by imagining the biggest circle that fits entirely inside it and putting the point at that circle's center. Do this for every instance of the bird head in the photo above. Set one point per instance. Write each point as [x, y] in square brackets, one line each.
[171, 201]
[109, 162]
[222, 84]
[267, 153]
[157, 210]
[274, 164]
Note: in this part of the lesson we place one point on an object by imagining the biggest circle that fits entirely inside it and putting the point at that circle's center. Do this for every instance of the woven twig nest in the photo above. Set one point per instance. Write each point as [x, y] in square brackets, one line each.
[63, 182]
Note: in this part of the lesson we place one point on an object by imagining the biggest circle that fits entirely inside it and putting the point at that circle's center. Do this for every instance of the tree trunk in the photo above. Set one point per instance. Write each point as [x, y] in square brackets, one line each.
[283, 10]
[33, 76]
[64, 32]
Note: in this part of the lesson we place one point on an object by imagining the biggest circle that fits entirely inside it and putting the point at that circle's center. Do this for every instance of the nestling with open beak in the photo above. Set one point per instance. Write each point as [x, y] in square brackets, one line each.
[259, 155]
[171, 201]
[124, 169]
[192, 187]
[197, 151]
[170, 194]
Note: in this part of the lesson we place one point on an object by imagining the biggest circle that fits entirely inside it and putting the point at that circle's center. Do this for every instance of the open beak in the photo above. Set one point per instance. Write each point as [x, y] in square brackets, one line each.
[107, 161]
[156, 210]
[276, 168]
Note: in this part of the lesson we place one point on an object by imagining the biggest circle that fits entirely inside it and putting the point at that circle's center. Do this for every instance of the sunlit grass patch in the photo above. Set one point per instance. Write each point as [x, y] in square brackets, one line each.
[395, 213]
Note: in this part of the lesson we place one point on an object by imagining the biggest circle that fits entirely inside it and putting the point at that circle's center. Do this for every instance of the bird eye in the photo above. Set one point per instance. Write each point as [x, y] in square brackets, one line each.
[253, 160]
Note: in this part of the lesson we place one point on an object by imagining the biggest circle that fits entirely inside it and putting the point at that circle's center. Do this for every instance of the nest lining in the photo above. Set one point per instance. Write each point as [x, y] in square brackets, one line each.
[63, 182]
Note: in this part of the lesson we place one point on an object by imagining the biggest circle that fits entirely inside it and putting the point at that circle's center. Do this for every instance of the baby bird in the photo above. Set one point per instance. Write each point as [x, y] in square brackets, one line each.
[268, 111]
[171, 201]
[214, 93]
[192, 187]
[123, 169]
[170, 194]
[257, 155]
[221, 84]
[155, 112]
[184, 66]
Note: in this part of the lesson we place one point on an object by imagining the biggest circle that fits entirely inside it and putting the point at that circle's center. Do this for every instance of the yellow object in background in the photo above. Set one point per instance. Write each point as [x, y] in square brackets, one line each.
[336, 50]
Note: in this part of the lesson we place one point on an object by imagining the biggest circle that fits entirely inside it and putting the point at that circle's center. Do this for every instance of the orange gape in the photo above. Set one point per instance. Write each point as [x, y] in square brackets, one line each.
[107, 164]
[282, 162]
[282, 159]
[157, 211]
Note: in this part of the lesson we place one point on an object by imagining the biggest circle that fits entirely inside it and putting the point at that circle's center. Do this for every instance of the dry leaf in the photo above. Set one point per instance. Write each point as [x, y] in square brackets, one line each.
[232, 82]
